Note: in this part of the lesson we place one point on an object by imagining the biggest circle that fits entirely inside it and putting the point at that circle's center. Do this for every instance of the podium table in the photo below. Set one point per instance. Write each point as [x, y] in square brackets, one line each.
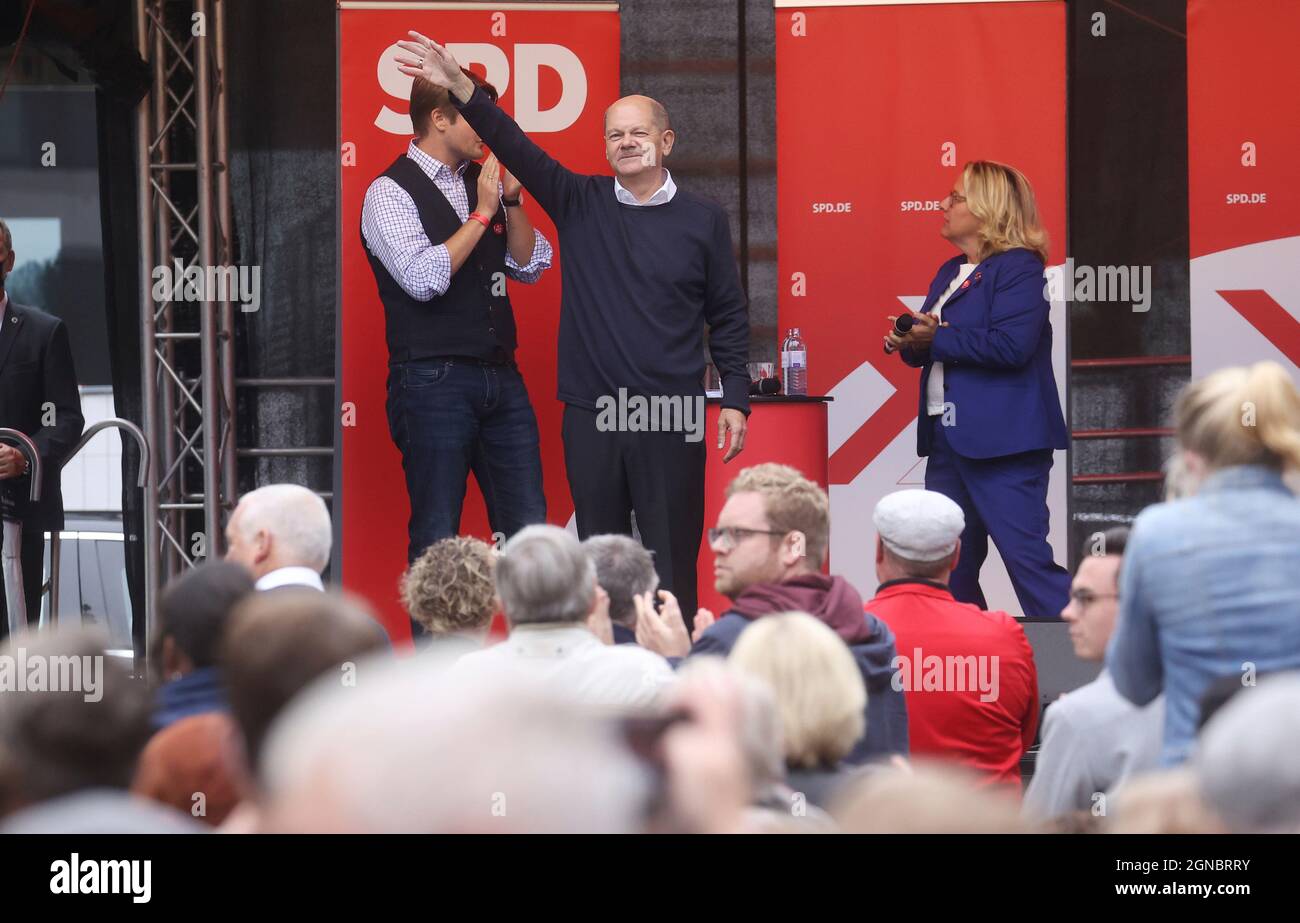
[787, 430]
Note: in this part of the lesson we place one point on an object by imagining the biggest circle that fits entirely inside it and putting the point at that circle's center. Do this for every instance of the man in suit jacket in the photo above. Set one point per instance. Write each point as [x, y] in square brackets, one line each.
[38, 396]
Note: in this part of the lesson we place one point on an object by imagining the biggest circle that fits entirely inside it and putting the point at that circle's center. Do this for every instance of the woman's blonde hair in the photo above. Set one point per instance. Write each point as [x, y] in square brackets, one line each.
[1001, 197]
[819, 690]
[1242, 416]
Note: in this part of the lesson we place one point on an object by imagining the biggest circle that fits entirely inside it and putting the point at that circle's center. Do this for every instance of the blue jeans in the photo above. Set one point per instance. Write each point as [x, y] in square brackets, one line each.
[451, 416]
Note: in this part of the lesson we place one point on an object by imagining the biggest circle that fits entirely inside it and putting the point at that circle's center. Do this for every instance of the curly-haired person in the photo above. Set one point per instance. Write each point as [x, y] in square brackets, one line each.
[448, 589]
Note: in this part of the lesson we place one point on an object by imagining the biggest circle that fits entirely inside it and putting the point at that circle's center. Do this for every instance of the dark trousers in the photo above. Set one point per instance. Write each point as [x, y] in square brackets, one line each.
[33, 567]
[1004, 499]
[450, 417]
[657, 475]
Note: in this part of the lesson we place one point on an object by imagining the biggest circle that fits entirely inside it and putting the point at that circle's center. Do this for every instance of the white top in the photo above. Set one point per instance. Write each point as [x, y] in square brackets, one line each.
[661, 195]
[570, 660]
[934, 387]
[290, 576]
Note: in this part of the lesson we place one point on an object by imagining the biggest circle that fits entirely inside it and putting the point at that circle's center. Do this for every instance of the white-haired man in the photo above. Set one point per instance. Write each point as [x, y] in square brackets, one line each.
[557, 614]
[282, 533]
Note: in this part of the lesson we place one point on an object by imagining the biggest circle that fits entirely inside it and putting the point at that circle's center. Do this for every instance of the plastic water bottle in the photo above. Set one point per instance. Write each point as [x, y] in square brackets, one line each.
[794, 364]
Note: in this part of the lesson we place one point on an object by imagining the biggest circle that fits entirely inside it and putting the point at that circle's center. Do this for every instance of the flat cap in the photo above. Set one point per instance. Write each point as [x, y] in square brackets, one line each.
[920, 525]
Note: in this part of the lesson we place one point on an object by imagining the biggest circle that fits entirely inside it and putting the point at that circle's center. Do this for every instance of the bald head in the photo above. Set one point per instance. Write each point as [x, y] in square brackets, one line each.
[642, 110]
[637, 139]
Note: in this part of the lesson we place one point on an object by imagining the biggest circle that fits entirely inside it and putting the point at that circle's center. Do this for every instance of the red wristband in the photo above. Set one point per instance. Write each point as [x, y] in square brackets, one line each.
[475, 216]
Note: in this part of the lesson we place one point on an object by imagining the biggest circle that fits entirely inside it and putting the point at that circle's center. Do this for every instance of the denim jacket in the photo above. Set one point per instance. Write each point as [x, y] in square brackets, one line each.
[1210, 587]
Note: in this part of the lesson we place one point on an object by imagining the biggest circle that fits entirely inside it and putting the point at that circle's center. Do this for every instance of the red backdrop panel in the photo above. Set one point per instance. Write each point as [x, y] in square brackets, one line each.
[878, 108]
[788, 434]
[558, 72]
[1243, 164]
[1242, 80]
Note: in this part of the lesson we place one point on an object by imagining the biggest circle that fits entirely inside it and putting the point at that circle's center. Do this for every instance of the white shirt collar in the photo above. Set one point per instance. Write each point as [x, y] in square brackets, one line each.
[290, 576]
[431, 165]
[661, 195]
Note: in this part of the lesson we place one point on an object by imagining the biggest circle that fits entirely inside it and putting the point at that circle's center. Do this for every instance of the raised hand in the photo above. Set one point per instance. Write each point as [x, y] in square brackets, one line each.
[703, 619]
[489, 186]
[426, 58]
[663, 632]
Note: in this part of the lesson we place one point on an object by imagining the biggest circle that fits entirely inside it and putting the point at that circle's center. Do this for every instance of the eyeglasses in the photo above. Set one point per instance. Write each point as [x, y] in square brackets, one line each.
[1086, 598]
[728, 537]
[954, 198]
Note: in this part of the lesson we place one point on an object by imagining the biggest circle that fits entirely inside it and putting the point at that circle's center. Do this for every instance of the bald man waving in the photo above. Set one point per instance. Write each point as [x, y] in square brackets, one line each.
[646, 266]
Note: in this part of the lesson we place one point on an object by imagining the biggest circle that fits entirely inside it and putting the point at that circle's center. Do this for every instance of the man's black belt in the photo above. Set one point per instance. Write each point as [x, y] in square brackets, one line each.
[467, 360]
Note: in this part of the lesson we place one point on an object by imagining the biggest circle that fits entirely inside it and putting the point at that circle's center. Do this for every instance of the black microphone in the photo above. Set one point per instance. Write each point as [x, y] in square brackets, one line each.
[765, 386]
[902, 325]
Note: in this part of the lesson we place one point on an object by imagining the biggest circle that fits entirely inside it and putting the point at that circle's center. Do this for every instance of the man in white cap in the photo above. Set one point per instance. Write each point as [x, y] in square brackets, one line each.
[968, 674]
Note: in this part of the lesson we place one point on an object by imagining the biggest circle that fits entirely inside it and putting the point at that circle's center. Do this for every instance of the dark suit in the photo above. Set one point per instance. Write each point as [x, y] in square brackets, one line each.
[35, 371]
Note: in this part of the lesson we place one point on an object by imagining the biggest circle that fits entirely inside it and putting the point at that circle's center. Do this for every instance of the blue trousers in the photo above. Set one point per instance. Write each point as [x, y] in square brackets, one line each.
[1004, 499]
[450, 417]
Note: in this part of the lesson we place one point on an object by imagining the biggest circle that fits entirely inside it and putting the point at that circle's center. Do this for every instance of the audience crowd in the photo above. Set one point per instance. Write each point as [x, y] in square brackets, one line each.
[279, 704]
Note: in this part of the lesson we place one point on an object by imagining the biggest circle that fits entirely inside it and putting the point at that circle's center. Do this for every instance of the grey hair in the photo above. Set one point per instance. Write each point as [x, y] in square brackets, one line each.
[1248, 758]
[543, 575]
[6, 236]
[624, 568]
[295, 517]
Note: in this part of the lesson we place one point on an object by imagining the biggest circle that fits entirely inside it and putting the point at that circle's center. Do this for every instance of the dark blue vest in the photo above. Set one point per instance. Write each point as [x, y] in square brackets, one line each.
[466, 320]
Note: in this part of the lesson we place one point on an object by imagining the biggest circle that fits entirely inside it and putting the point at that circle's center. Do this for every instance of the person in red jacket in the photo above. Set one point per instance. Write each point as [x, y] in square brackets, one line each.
[968, 675]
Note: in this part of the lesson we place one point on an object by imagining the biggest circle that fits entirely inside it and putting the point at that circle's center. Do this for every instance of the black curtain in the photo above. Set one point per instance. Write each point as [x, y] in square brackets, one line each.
[1128, 206]
[116, 100]
[283, 112]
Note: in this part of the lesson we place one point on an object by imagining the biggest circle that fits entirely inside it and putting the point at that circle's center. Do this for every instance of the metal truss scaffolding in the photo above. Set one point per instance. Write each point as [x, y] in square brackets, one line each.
[187, 341]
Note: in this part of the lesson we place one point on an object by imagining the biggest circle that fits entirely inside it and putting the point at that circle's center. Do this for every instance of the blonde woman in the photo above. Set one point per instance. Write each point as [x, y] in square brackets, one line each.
[989, 411]
[819, 691]
[1208, 589]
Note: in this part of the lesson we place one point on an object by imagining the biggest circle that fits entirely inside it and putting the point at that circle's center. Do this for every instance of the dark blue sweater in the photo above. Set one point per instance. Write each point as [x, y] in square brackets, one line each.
[639, 283]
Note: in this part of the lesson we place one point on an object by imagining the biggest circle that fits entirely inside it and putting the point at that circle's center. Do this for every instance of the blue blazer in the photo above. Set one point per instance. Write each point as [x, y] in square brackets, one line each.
[997, 356]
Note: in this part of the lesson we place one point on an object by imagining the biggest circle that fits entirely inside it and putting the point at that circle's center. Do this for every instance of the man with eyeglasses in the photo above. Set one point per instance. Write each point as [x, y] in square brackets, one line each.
[1093, 737]
[769, 546]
